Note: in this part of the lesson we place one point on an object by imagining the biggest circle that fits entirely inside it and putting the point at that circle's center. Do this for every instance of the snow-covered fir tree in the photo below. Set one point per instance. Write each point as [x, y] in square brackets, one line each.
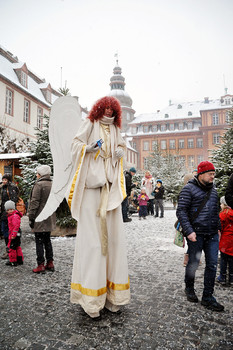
[42, 155]
[170, 169]
[222, 157]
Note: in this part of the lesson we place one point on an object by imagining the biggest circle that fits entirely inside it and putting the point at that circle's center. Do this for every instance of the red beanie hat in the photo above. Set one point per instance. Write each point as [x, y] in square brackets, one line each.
[204, 167]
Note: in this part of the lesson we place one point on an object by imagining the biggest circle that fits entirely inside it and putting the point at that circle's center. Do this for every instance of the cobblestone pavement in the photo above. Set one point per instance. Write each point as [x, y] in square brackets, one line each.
[36, 313]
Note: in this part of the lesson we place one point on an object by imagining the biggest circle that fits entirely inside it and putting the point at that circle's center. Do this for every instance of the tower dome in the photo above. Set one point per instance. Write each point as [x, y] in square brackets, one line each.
[117, 84]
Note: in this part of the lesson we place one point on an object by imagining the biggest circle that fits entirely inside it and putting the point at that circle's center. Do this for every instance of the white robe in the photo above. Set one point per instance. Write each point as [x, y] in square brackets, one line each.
[97, 277]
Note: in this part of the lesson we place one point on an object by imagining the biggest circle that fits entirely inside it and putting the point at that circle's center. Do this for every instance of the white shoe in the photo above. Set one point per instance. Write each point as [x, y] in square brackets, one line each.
[111, 307]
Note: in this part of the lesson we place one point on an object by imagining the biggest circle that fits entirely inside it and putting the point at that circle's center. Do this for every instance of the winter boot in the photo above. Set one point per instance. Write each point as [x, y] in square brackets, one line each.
[8, 263]
[39, 269]
[211, 303]
[19, 260]
[49, 266]
[222, 279]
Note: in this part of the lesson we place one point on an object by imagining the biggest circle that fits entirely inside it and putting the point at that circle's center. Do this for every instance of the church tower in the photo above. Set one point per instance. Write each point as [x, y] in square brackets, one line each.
[117, 84]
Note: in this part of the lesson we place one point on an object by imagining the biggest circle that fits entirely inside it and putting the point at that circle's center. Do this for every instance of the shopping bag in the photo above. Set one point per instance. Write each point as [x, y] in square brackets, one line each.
[179, 239]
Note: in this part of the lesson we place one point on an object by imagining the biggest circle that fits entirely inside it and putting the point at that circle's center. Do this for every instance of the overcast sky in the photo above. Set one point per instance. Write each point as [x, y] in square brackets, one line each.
[178, 50]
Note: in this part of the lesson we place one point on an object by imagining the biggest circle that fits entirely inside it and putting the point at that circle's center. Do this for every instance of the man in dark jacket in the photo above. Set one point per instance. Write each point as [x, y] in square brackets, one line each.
[202, 233]
[229, 192]
[128, 186]
[158, 193]
[42, 230]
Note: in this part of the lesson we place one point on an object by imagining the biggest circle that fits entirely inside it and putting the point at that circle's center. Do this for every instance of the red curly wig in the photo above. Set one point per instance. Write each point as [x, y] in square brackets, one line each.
[97, 111]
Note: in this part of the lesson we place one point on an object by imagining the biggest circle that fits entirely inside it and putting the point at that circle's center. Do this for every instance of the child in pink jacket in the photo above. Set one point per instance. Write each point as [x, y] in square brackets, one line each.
[14, 250]
[142, 201]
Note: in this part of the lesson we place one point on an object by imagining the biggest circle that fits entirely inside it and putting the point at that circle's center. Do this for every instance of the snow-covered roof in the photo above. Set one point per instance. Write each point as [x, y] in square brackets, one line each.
[15, 155]
[183, 110]
[34, 88]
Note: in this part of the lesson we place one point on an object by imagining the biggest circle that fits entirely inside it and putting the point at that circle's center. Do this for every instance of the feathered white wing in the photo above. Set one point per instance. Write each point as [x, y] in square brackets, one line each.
[65, 119]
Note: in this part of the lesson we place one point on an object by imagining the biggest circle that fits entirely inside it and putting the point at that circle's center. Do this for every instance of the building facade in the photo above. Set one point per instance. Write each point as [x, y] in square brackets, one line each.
[188, 130]
[24, 97]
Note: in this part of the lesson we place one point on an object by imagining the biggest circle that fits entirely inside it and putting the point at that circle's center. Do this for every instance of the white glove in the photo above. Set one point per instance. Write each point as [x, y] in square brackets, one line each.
[119, 153]
[92, 147]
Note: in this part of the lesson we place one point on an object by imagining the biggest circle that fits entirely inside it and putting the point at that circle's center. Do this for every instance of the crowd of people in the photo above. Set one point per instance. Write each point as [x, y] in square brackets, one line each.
[101, 189]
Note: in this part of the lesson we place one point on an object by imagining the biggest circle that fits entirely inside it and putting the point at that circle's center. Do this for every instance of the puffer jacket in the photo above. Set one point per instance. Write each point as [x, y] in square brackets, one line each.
[14, 220]
[39, 195]
[190, 199]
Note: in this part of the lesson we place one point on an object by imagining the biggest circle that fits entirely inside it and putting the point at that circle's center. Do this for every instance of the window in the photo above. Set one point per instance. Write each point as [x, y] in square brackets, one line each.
[39, 118]
[191, 161]
[145, 146]
[189, 125]
[171, 127]
[181, 126]
[146, 128]
[146, 163]
[49, 96]
[154, 145]
[9, 102]
[133, 130]
[216, 138]
[26, 115]
[200, 159]
[199, 143]
[215, 119]
[128, 116]
[227, 119]
[154, 128]
[181, 143]
[163, 127]
[190, 143]
[163, 144]
[172, 144]
[24, 79]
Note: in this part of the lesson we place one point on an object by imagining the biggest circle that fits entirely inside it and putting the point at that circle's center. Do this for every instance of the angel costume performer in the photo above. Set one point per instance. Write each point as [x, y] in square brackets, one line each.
[100, 270]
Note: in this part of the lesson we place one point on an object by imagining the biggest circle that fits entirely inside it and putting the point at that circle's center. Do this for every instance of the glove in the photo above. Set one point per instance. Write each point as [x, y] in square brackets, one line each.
[15, 242]
[92, 147]
[119, 153]
[32, 223]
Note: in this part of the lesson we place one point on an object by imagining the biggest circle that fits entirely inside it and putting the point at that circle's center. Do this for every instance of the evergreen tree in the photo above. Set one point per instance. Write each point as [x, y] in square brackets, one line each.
[170, 169]
[42, 155]
[222, 157]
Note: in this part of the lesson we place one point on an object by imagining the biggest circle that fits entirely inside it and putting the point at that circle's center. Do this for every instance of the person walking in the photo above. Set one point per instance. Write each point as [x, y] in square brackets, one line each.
[14, 249]
[38, 198]
[226, 243]
[159, 193]
[202, 232]
[8, 191]
[100, 269]
[128, 186]
[149, 182]
[142, 201]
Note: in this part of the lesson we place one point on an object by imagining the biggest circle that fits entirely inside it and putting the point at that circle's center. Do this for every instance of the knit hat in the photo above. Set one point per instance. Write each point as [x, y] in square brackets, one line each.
[133, 170]
[9, 205]
[159, 181]
[204, 167]
[7, 177]
[44, 170]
